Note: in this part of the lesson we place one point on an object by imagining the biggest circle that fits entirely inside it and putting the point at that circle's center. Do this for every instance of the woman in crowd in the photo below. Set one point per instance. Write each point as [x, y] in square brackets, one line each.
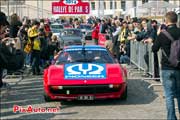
[53, 48]
[95, 32]
[116, 42]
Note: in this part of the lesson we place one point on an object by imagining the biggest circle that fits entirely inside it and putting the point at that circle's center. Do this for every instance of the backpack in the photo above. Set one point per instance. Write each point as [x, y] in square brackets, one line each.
[15, 61]
[3, 60]
[12, 62]
[174, 57]
[28, 47]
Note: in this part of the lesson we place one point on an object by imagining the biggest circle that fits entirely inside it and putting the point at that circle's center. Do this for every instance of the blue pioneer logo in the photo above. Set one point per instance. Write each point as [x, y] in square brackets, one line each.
[85, 71]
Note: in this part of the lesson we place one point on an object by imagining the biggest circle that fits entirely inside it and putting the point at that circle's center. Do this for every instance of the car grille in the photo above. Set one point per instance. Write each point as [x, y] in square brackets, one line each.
[89, 89]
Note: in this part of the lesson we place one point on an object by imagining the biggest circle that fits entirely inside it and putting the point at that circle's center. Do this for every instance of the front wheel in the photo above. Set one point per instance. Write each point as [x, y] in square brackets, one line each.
[47, 98]
[124, 95]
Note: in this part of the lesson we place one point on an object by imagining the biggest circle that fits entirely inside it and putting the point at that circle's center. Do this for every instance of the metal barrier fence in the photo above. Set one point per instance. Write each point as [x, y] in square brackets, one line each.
[143, 57]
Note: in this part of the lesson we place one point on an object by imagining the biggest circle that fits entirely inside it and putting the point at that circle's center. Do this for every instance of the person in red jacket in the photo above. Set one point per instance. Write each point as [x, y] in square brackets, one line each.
[95, 33]
[47, 28]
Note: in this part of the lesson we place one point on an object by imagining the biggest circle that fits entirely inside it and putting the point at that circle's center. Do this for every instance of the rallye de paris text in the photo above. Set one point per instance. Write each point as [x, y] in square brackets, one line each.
[70, 9]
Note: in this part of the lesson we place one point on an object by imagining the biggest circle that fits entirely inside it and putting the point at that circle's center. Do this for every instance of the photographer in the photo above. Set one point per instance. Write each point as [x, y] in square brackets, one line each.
[11, 55]
[170, 74]
[3, 26]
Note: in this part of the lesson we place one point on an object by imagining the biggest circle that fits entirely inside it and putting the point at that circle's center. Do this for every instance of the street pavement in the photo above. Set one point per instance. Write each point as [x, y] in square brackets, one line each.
[142, 102]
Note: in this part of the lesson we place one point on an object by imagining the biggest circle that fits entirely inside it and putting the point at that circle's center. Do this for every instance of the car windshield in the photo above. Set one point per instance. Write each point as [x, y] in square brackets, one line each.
[85, 56]
[56, 27]
[55, 30]
[67, 25]
[70, 32]
[87, 27]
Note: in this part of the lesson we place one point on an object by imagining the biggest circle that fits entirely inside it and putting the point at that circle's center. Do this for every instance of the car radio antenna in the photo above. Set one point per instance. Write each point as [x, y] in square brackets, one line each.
[83, 50]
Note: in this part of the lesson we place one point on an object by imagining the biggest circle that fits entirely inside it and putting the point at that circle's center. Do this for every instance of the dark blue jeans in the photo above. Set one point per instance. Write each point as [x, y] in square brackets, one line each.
[124, 59]
[35, 62]
[171, 84]
[28, 59]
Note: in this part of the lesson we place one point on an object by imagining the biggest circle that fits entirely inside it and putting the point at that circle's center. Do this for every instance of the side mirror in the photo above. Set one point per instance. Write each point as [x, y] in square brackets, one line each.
[83, 42]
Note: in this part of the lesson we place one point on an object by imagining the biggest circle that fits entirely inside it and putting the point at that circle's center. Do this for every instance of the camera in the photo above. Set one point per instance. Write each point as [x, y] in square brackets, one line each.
[9, 42]
[163, 27]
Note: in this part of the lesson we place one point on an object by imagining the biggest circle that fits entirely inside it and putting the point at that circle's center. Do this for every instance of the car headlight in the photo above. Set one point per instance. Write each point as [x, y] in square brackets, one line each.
[56, 87]
[115, 86]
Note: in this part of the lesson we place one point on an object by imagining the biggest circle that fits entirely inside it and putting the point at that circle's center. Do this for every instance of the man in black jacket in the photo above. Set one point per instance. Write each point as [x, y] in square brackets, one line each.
[170, 75]
[103, 27]
[3, 25]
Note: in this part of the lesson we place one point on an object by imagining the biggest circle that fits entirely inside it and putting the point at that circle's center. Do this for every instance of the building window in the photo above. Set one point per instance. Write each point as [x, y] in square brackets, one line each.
[166, 0]
[144, 1]
[104, 5]
[92, 5]
[123, 5]
[115, 5]
[111, 4]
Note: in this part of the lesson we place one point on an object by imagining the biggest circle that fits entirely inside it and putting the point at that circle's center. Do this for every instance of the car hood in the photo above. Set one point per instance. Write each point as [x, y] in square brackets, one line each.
[57, 34]
[85, 30]
[71, 40]
[75, 74]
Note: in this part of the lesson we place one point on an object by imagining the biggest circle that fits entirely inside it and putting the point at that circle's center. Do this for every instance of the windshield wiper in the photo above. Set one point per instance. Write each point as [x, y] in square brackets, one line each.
[83, 60]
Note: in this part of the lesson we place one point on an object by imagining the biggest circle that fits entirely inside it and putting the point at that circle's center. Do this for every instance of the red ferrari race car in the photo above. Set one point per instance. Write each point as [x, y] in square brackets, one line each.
[85, 73]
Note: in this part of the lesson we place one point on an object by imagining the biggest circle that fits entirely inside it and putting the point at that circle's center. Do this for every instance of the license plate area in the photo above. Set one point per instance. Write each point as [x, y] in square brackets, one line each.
[85, 97]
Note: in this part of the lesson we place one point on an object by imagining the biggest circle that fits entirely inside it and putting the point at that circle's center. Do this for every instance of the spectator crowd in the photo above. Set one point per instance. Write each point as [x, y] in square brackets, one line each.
[32, 43]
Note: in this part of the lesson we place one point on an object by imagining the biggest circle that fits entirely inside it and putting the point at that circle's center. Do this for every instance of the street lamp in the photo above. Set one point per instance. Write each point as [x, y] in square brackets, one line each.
[42, 7]
[8, 8]
[101, 8]
[16, 5]
[113, 6]
[37, 8]
[0, 5]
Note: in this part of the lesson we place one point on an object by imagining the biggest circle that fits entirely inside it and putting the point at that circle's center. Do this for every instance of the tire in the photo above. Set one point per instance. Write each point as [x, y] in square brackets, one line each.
[47, 98]
[124, 95]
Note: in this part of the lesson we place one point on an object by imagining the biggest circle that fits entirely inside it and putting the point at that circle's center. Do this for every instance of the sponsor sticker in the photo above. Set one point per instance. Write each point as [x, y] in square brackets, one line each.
[85, 71]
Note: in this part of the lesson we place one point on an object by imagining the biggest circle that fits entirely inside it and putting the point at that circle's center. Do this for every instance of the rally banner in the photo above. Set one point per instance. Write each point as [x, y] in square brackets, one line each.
[70, 7]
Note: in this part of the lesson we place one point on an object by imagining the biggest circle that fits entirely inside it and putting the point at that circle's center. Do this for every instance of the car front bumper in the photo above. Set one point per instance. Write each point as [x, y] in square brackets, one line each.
[74, 95]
